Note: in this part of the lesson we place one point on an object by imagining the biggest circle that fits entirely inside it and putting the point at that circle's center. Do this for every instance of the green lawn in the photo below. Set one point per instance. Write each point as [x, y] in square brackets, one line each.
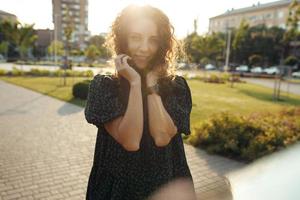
[243, 98]
[207, 98]
[52, 86]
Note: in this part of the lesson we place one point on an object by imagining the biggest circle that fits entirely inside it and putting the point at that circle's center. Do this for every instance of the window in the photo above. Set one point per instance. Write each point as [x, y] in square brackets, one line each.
[280, 14]
[282, 25]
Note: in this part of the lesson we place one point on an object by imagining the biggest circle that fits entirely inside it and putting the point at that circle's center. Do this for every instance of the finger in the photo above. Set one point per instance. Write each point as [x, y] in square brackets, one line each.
[125, 60]
[117, 63]
[122, 58]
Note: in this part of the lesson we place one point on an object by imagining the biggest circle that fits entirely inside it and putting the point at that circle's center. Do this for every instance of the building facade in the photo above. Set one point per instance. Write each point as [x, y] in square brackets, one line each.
[270, 14]
[71, 13]
[44, 39]
[5, 16]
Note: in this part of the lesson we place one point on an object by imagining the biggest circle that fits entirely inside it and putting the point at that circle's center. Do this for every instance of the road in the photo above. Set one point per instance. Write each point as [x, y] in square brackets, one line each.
[287, 87]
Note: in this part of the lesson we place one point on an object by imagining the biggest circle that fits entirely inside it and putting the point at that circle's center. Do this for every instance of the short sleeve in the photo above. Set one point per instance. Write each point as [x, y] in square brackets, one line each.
[178, 103]
[103, 102]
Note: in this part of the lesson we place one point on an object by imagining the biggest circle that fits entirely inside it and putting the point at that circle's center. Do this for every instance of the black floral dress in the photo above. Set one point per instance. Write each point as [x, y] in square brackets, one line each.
[118, 174]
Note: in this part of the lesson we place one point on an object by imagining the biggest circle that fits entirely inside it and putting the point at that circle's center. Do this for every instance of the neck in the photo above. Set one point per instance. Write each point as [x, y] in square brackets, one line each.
[143, 72]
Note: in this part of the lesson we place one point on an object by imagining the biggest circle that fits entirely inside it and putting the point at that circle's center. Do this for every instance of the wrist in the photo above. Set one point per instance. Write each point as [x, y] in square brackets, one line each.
[153, 89]
[135, 83]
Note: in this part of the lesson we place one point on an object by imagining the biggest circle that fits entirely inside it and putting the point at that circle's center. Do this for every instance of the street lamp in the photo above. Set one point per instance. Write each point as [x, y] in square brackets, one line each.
[55, 37]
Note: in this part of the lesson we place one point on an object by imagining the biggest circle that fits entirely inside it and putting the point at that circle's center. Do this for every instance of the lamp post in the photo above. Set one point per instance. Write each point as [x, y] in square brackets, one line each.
[55, 37]
[227, 49]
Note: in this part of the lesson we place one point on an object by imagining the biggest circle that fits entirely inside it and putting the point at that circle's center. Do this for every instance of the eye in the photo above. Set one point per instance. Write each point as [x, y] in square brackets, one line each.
[135, 37]
[154, 40]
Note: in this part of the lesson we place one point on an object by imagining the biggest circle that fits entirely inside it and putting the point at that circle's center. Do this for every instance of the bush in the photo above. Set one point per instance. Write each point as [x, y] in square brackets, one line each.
[17, 72]
[80, 90]
[247, 138]
[291, 61]
[2, 72]
[213, 78]
[39, 72]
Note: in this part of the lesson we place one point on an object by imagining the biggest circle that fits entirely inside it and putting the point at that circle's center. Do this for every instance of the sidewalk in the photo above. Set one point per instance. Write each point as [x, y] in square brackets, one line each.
[47, 149]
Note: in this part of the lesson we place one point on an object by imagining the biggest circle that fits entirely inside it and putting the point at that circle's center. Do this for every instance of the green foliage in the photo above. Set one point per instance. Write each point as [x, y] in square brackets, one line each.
[80, 90]
[17, 72]
[99, 42]
[18, 37]
[291, 60]
[58, 46]
[247, 137]
[39, 72]
[45, 72]
[3, 72]
[292, 21]
[91, 53]
[207, 46]
[217, 78]
[213, 78]
[4, 47]
[255, 59]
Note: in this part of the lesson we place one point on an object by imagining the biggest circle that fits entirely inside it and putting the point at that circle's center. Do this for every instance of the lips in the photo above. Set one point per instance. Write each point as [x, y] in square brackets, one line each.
[141, 58]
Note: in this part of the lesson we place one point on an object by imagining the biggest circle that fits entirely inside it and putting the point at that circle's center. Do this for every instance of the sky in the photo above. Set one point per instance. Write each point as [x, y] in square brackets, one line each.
[102, 13]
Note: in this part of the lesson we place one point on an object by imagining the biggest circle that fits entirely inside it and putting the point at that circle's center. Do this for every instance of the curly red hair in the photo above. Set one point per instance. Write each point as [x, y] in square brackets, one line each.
[170, 48]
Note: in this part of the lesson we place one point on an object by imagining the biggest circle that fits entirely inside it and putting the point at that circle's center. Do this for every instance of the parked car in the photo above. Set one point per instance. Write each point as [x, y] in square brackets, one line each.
[183, 66]
[210, 67]
[296, 74]
[272, 70]
[2, 59]
[257, 70]
[242, 68]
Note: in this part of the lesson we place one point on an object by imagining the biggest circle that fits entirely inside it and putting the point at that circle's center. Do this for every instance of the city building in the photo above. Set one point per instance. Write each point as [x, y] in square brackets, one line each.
[71, 13]
[7, 16]
[270, 14]
[44, 39]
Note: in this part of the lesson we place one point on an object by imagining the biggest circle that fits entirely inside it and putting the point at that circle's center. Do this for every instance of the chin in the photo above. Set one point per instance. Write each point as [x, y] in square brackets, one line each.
[141, 65]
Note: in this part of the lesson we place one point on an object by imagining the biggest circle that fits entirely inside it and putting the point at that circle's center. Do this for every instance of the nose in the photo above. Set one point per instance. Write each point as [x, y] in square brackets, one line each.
[144, 46]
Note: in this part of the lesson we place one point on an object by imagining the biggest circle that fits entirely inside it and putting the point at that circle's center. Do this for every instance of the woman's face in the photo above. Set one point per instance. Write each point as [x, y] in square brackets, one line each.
[142, 41]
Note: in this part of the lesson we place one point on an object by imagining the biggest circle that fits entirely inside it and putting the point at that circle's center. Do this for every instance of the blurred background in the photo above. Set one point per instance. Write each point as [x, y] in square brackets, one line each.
[242, 64]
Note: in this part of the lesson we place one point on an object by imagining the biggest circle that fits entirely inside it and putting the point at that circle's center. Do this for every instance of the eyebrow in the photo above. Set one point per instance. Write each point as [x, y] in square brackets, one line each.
[155, 36]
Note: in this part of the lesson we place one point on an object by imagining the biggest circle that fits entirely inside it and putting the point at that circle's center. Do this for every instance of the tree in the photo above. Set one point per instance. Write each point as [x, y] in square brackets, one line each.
[4, 48]
[239, 44]
[91, 52]
[206, 46]
[98, 41]
[26, 39]
[291, 61]
[292, 24]
[58, 46]
[293, 21]
[255, 59]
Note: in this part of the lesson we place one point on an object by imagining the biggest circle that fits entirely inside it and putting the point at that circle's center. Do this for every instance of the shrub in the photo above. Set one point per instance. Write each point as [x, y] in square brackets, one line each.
[291, 60]
[17, 72]
[39, 72]
[58, 72]
[3, 72]
[213, 78]
[80, 90]
[249, 137]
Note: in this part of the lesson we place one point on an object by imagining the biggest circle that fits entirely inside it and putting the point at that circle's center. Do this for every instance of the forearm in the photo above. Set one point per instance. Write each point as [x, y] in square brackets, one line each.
[161, 125]
[131, 126]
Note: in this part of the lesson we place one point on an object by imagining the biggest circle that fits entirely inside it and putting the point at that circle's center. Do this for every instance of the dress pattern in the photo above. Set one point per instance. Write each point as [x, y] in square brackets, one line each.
[118, 174]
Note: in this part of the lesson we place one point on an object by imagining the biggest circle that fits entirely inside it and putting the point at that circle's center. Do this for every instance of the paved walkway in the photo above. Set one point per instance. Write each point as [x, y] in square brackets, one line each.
[47, 149]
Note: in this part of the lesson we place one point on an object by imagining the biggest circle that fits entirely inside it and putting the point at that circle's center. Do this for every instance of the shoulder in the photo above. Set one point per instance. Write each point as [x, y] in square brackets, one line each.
[104, 84]
[176, 84]
[104, 80]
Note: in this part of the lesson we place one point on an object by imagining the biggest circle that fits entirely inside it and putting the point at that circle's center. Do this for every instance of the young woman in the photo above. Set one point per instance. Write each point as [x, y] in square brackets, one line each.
[140, 112]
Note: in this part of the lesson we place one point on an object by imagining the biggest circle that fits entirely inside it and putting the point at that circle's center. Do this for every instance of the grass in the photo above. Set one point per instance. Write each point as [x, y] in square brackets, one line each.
[51, 86]
[243, 98]
[208, 98]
